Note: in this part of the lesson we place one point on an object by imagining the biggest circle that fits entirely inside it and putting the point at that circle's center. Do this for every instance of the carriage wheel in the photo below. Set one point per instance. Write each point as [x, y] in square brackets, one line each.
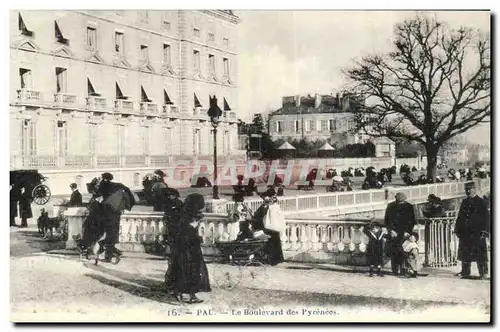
[255, 273]
[41, 194]
[227, 276]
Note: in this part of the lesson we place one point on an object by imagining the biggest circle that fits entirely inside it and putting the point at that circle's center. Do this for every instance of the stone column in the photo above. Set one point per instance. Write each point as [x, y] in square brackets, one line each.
[75, 216]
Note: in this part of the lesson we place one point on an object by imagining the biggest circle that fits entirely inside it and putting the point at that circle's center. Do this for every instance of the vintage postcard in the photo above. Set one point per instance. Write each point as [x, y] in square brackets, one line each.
[249, 166]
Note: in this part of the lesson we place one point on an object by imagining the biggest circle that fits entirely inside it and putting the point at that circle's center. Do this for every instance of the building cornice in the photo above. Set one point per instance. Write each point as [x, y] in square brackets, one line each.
[221, 14]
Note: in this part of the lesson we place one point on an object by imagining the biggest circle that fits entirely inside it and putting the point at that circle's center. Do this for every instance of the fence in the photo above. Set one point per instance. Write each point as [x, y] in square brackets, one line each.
[317, 240]
[304, 203]
[441, 244]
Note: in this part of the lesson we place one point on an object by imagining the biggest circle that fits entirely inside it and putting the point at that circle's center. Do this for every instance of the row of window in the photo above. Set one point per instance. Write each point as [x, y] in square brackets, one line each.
[91, 40]
[61, 139]
[313, 125]
[26, 82]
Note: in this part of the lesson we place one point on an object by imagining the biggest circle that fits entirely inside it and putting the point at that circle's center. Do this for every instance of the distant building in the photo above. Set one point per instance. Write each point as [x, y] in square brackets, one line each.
[384, 147]
[456, 153]
[479, 153]
[324, 117]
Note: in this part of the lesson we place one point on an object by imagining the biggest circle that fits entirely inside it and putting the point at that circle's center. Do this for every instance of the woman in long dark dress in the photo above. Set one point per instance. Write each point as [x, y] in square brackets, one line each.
[273, 248]
[189, 272]
[172, 207]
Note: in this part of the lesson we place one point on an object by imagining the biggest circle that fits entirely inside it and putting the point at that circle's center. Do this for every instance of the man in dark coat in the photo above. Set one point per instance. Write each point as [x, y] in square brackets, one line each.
[115, 198]
[15, 195]
[472, 228]
[25, 207]
[400, 220]
[76, 198]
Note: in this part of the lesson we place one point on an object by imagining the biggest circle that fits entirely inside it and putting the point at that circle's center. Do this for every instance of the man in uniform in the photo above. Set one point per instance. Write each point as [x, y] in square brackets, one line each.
[472, 229]
[400, 221]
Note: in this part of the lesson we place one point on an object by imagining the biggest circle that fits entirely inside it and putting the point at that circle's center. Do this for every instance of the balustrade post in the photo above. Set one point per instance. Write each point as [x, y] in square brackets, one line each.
[75, 217]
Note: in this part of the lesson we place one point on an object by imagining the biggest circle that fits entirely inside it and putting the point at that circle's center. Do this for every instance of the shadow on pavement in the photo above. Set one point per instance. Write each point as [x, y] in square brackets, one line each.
[141, 291]
[29, 241]
[136, 278]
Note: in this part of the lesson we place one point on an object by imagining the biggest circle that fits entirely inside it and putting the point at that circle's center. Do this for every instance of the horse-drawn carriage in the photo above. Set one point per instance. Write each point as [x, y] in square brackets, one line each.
[33, 182]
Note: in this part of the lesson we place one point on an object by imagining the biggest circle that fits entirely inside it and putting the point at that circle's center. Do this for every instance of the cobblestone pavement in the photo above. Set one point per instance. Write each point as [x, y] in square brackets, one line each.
[55, 287]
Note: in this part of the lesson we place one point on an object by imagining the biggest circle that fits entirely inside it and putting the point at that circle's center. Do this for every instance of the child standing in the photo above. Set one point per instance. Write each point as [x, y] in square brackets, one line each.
[410, 250]
[375, 248]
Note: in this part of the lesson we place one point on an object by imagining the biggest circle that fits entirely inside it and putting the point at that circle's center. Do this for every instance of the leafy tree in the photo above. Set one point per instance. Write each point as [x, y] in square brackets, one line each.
[433, 86]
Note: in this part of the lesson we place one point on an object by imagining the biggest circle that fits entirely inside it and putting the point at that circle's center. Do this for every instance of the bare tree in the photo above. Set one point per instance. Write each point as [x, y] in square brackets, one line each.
[434, 85]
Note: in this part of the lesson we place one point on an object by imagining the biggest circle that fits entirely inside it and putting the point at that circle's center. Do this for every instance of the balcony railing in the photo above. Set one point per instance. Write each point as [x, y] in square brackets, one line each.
[135, 160]
[229, 115]
[46, 162]
[78, 161]
[159, 161]
[29, 95]
[124, 106]
[170, 110]
[199, 112]
[149, 108]
[107, 161]
[65, 99]
[96, 103]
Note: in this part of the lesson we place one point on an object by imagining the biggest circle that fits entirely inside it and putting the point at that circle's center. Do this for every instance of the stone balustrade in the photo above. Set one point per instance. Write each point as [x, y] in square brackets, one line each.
[28, 95]
[316, 240]
[65, 99]
[148, 108]
[124, 106]
[96, 103]
[351, 201]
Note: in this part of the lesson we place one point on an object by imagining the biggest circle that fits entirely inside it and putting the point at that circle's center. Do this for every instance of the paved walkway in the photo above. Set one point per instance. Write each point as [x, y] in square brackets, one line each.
[49, 283]
[56, 286]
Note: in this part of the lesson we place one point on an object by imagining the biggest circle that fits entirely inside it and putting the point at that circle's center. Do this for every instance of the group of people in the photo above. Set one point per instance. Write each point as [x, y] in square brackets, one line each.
[397, 240]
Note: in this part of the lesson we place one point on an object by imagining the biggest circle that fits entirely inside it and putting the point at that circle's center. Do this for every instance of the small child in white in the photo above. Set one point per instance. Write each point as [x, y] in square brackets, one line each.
[410, 251]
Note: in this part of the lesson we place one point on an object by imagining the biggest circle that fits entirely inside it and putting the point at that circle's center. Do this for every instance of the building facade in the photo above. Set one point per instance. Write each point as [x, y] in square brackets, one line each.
[324, 117]
[120, 90]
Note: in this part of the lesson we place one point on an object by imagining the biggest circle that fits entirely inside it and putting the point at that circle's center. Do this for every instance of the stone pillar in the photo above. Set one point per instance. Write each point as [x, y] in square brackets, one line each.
[75, 216]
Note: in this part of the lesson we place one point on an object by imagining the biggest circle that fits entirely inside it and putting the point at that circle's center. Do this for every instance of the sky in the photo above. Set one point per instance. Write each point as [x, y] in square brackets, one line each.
[303, 52]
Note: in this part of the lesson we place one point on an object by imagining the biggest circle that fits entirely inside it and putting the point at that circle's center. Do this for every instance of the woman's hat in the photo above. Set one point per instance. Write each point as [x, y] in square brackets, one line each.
[160, 173]
[107, 176]
[194, 202]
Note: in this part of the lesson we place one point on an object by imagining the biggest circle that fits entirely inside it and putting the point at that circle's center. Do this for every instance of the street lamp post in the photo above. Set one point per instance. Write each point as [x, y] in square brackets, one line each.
[215, 113]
